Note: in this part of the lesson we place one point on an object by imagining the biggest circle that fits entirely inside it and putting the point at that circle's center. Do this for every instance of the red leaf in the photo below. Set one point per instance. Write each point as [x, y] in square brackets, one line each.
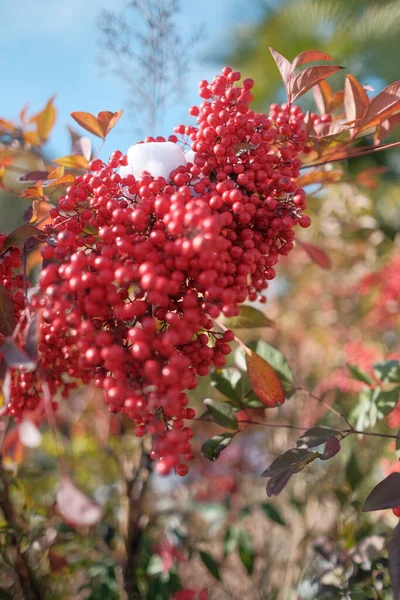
[309, 56]
[323, 130]
[264, 380]
[7, 317]
[35, 192]
[323, 96]
[76, 508]
[88, 122]
[310, 77]
[385, 128]
[355, 99]
[386, 104]
[107, 120]
[20, 235]
[285, 69]
[317, 255]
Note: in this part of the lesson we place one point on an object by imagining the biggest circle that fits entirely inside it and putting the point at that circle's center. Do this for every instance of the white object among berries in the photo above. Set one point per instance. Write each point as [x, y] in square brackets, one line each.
[157, 158]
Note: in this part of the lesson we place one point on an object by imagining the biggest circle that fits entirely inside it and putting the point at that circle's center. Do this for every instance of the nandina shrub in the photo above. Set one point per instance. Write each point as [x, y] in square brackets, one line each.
[149, 256]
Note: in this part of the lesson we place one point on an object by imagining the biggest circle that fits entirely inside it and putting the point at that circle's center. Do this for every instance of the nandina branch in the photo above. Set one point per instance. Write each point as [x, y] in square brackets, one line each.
[26, 578]
[135, 490]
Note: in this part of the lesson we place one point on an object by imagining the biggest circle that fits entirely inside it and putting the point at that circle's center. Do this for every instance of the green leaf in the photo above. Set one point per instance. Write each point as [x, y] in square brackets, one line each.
[360, 375]
[373, 405]
[227, 382]
[353, 473]
[272, 513]
[248, 318]
[246, 551]
[213, 447]
[275, 358]
[230, 540]
[222, 413]
[211, 564]
[388, 371]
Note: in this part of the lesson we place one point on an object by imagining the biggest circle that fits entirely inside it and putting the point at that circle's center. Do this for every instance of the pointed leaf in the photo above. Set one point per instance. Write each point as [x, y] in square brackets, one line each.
[7, 317]
[394, 562]
[248, 318]
[275, 358]
[272, 513]
[317, 255]
[310, 77]
[356, 100]
[107, 120]
[32, 138]
[285, 69]
[20, 235]
[75, 161]
[88, 122]
[385, 495]
[246, 551]
[287, 460]
[360, 375]
[264, 380]
[323, 96]
[332, 447]
[386, 104]
[46, 120]
[35, 192]
[213, 447]
[34, 176]
[15, 357]
[388, 371]
[386, 127]
[75, 507]
[83, 146]
[316, 436]
[309, 56]
[211, 564]
[222, 413]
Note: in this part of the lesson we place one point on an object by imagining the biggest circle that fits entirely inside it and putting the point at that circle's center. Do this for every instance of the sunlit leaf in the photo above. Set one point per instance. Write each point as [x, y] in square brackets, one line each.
[35, 192]
[248, 318]
[285, 69]
[386, 104]
[46, 120]
[88, 122]
[108, 120]
[275, 358]
[360, 375]
[310, 77]
[264, 380]
[388, 371]
[309, 56]
[32, 138]
[75, 161]
[355, 99]
[323, 97]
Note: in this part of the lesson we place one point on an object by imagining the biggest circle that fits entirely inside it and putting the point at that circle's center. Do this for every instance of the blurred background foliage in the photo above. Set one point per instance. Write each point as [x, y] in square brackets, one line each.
[216, 529]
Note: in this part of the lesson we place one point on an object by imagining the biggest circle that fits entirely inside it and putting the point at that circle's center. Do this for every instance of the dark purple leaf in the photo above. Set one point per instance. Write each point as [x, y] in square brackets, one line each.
[394, 562]
[332, 447]
[385, 495]
[28, 214]
[276, 484]
[34, 176]
[20, 235]
[15, 357]
[316, 436]
[290, 458]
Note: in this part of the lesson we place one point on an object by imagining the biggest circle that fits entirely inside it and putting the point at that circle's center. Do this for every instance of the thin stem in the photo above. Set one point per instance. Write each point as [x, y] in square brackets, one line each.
[363, 152]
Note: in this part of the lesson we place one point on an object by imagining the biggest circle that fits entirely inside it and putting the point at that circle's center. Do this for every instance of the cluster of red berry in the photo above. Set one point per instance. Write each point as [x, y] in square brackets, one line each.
[137, 268]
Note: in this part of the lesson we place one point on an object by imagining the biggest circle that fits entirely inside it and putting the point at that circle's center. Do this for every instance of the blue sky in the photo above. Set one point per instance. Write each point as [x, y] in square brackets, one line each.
[50, 47]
